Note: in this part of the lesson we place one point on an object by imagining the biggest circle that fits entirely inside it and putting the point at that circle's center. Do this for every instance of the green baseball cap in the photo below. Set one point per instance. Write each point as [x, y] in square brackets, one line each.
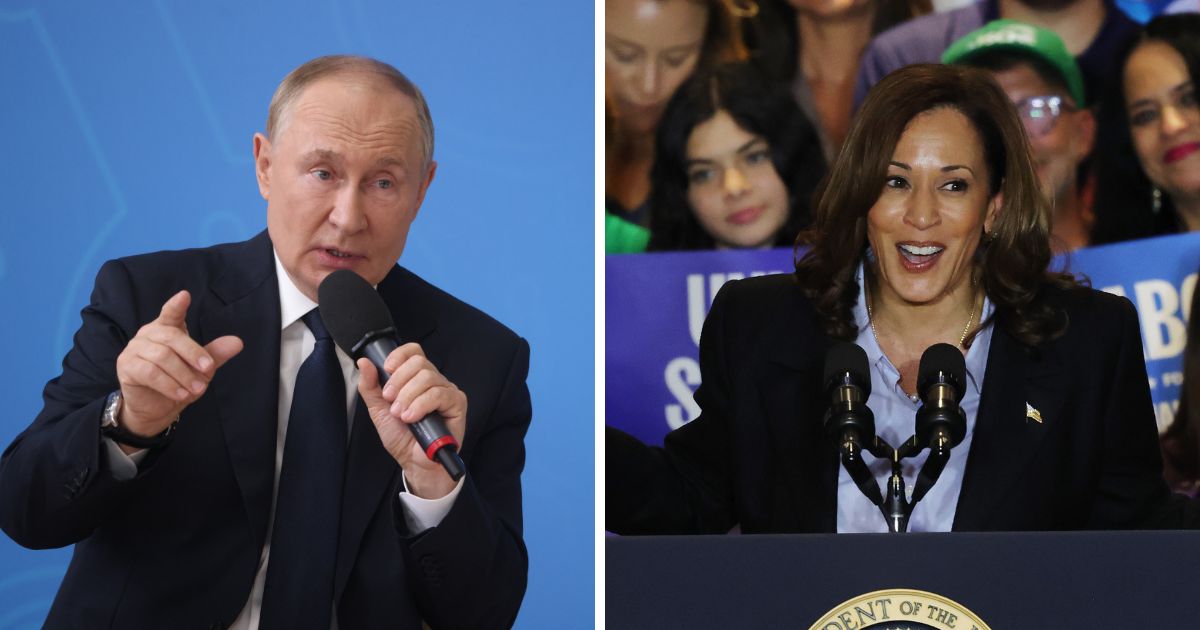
[1024, 39]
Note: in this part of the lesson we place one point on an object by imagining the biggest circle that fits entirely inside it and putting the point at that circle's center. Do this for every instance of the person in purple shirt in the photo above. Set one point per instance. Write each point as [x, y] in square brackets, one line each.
[1095, 31]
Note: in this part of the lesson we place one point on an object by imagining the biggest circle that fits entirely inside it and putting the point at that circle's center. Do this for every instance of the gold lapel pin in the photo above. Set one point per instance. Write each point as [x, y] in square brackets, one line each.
[1032, 414]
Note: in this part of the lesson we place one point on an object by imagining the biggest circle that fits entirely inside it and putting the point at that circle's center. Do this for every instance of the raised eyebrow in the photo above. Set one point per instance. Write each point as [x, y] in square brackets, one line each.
[900, 165]
[322, 155]
[955, 167]
[1182, 87]
[390, 161]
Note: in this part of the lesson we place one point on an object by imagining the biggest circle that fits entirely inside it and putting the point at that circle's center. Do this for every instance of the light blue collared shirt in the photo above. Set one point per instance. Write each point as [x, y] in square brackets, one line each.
[895, 421]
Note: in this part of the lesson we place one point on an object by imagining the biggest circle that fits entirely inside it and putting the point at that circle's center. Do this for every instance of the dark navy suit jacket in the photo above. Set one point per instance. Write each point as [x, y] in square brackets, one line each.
[758, 455]
[178, 545]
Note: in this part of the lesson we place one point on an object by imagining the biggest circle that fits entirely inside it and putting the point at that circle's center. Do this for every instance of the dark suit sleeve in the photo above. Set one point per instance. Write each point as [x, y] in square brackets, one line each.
[55, 484]
[471, 569]
[685, 486]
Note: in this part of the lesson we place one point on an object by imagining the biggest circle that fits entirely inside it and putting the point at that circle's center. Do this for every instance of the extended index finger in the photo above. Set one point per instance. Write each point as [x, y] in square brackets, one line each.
[174, 310]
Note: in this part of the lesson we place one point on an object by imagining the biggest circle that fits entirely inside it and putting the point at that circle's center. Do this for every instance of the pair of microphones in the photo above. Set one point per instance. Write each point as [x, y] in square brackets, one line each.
[941, 423]
[361, 326]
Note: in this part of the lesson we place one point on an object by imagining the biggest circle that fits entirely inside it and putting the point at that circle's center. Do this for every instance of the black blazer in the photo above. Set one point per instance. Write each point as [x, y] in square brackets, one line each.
[757, 455]
[178, 545]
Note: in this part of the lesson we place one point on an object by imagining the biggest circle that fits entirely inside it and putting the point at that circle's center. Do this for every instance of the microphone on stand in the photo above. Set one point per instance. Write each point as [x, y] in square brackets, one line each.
[941, 422]
[849, 421]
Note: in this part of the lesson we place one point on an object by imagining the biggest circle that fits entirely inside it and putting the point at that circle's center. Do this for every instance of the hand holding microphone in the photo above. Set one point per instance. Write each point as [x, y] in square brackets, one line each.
[419, 414]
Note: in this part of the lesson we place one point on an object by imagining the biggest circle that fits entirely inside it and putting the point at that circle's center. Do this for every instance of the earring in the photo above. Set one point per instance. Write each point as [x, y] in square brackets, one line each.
[1155, 200]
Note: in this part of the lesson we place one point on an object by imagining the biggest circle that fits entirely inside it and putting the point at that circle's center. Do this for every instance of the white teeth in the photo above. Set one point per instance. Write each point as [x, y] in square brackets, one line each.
[928, 250]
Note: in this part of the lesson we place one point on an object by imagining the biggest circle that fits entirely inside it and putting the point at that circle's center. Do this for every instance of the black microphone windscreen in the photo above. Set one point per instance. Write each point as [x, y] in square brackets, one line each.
[848, 357]
[351, 308]
[946, 359]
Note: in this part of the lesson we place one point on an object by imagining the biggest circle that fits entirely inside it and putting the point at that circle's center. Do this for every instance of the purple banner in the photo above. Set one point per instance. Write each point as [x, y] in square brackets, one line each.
[655, 305]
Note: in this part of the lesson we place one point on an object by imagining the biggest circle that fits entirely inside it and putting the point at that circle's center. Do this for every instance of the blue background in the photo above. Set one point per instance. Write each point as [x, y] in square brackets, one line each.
[127, 127]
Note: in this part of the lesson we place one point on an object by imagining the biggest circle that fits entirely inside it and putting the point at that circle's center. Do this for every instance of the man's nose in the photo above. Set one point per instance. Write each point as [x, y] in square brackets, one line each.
[348, 212]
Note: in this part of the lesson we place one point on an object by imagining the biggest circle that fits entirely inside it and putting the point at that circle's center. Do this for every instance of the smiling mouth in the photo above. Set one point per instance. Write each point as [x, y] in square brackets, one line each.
[747, 215]
[919, 257]
[1178, 153]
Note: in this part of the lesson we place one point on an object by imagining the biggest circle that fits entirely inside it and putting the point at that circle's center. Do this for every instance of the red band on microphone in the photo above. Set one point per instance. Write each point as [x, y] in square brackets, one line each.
[437, 445]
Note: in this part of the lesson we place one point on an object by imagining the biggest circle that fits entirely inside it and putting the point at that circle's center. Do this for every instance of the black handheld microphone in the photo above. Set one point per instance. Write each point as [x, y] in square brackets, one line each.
[849, 420]
[361, 326]
[941, 378]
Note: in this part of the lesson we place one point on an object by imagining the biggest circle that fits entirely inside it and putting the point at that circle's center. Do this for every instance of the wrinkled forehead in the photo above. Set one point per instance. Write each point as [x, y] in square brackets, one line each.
[358, 107]
[354, 111]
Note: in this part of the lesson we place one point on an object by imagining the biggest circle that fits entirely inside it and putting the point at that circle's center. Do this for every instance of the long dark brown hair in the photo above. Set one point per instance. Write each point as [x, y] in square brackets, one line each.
[1011, 264]
[1124, 206]
[760, 107]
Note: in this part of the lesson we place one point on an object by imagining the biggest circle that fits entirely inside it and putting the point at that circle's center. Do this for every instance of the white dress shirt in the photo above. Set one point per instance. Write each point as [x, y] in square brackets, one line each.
[895, 421]
[296, 342]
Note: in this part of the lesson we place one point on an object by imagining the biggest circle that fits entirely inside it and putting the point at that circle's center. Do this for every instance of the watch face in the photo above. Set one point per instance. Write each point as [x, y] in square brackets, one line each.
[112, 407]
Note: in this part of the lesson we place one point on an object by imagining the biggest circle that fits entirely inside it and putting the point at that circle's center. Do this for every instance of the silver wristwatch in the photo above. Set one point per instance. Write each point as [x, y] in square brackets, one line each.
[112, 429]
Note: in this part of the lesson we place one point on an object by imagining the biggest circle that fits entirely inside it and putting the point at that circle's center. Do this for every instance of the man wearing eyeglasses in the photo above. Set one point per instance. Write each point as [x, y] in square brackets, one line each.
[1033, 67]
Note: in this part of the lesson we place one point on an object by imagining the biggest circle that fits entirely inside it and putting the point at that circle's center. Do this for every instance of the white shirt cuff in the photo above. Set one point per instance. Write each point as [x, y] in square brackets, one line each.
[124, 467]
[422, 514]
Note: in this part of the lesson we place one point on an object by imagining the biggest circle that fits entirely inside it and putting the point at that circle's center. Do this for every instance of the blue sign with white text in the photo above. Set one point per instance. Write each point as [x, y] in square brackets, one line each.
[655, 305]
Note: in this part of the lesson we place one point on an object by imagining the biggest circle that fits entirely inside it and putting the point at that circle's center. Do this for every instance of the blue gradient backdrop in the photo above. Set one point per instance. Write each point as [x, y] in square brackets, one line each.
[127, 127]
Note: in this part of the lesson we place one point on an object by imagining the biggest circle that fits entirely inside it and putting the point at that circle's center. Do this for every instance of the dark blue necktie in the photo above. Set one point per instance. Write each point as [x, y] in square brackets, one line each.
[299, 586]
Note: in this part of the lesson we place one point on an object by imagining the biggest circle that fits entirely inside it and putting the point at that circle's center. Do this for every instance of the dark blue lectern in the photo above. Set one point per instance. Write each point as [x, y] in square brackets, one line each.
[1008, 580]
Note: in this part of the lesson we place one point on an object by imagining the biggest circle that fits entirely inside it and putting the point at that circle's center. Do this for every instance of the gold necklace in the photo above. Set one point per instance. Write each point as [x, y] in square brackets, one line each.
[871, 318]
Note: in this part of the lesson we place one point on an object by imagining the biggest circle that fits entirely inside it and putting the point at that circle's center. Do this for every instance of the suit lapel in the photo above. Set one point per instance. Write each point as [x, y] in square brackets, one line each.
[247, 305]
[371, 473]
[1005, 436]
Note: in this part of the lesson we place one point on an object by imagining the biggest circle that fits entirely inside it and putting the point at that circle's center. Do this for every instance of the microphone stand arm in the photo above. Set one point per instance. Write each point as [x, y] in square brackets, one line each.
[896, 507]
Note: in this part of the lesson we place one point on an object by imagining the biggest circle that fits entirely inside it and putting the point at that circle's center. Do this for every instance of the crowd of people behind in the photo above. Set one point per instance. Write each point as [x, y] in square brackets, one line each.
[687, 79]
[723, 118]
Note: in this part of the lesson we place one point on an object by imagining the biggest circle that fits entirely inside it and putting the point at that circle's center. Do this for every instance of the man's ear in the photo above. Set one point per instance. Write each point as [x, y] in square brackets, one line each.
[429, 173]
[262, 164]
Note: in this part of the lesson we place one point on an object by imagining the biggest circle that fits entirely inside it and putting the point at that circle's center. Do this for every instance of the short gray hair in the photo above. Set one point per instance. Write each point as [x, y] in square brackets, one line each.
[294, 83]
